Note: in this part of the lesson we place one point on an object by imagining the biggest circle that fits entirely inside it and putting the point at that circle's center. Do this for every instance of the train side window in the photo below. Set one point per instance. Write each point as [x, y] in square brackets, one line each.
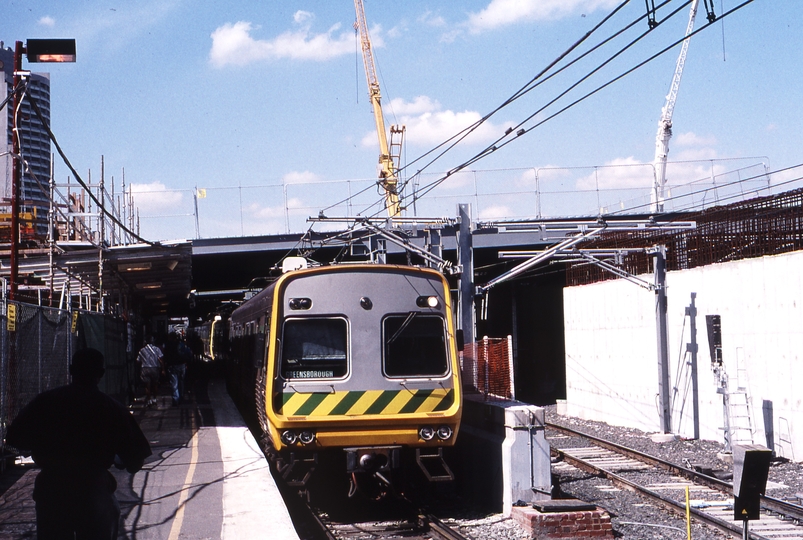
[314, 348]
[414, 345]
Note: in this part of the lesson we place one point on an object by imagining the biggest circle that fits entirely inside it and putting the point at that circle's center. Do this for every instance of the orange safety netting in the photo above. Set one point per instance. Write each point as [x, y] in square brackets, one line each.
[489, 363]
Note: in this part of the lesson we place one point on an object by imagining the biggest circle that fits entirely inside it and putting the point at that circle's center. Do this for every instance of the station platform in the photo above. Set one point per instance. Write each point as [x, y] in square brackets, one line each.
[206, 479]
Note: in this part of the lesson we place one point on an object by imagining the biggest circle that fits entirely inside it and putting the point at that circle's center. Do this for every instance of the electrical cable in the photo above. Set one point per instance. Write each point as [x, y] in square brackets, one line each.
[92, 196]
[531, 85]
[523, 90]
[494, 147]
[14, 91]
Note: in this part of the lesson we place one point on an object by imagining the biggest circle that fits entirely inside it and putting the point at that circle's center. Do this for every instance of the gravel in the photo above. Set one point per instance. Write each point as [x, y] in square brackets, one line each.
[632, 516]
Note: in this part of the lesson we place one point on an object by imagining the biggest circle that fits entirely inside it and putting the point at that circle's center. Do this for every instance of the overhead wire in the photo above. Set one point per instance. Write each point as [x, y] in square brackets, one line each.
[494, 147]
[530, 85]
[83, 184]
[533, 83]
[497, 144]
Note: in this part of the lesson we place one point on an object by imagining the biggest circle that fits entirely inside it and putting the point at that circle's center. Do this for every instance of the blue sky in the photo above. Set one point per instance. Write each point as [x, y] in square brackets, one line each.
[264, 104]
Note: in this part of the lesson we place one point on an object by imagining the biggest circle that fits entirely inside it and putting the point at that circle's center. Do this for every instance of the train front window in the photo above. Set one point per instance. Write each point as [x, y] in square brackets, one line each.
[414, 345]
[314, 348]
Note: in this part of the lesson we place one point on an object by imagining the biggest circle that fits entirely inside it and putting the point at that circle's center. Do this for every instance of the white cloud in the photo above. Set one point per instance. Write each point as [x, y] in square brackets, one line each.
[495, 212]
[301, 17]
[689, 161]
[501, 13]
[690, 146]
[692, 139]
[428, 124]
[233, 44]
[48, 21]
[272, 219]
[431, 19]
[619, 173]
[155, 198]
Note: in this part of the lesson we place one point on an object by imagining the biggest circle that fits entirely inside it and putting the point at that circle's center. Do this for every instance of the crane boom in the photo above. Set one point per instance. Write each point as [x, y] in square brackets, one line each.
[665, 123]
[388, 179]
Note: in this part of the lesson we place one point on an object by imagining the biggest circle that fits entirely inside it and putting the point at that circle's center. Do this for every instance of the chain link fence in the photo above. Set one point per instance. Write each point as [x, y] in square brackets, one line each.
[36, 346]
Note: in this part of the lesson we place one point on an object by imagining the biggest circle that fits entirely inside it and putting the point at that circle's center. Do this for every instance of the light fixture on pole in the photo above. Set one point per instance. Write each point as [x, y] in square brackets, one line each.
[37, 50]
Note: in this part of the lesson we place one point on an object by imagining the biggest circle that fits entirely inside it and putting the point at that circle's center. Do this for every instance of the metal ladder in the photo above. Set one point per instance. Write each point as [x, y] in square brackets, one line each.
[740, 414]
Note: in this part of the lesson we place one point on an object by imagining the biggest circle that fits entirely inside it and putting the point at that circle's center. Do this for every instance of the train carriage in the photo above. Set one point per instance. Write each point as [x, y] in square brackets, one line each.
[357, 359]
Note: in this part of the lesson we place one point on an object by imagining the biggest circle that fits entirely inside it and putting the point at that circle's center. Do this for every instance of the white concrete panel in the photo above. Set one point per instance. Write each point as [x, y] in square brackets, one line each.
[611, 351]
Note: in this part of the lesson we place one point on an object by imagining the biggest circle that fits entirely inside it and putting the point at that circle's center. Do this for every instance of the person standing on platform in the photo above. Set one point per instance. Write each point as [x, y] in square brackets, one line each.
[176, 356]
[151, 369]
[75, 433]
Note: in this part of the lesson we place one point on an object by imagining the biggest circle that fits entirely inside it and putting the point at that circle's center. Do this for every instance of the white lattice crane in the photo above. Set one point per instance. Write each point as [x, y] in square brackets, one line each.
[665, 123]
[389, 154]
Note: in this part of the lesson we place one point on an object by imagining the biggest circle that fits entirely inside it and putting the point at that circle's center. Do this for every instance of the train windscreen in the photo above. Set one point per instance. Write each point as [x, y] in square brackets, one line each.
[414, 345]
[314, 348]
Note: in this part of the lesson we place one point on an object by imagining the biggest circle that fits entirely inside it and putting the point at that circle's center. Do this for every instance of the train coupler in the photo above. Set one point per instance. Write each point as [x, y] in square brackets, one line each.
[297, 470]
[431, 462]
[373, 459]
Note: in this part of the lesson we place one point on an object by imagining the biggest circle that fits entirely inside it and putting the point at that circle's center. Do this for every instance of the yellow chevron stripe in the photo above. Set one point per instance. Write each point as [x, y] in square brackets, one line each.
[364, 402]
[297, 400]
[292, 405]
[329, 403]
[433, 400]
[398, 403]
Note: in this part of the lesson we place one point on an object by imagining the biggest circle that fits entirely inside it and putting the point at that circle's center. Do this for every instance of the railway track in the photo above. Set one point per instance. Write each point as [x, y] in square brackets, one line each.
[406, 521]
[422, 527]
[665, 484]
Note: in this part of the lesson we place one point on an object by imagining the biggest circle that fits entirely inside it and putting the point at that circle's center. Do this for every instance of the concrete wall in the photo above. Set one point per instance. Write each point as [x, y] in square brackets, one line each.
[611, 351]
[502, 454]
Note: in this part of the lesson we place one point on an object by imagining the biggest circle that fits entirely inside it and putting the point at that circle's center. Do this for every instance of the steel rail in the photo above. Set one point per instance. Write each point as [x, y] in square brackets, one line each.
[771, 504]
[440, 529]
[666, 502]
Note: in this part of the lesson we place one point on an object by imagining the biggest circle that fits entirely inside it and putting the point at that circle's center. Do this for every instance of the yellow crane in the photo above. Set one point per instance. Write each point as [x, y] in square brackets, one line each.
[389, 154]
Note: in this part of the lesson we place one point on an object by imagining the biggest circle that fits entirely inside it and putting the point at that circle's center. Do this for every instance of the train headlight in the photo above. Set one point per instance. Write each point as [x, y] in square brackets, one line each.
[306, 437]
[427, 433]
[289, 438]
[427, 301]
[444, 433]
[300, 303]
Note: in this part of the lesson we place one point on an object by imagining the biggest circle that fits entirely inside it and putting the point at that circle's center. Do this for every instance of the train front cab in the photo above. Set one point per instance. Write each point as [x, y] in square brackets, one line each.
[366, 363]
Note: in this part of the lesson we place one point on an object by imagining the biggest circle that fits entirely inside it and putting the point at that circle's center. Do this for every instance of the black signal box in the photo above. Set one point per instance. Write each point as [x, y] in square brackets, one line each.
[751, 466]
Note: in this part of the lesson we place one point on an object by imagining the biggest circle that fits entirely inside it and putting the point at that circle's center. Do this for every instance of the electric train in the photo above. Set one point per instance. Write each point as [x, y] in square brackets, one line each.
[358, 362]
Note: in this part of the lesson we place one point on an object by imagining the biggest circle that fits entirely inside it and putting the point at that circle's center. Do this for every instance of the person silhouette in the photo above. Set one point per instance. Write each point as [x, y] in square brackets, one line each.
[74, 434]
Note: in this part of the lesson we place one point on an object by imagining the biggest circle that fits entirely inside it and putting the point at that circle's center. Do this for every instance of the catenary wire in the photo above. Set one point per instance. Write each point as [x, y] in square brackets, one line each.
[522, 91]
[493, 148]
[533, 83]
[497, 144]
[101, 206]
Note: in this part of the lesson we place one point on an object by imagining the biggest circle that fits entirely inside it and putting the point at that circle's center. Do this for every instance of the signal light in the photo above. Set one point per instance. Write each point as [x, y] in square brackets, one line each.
[306, 437]
[427, 433]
